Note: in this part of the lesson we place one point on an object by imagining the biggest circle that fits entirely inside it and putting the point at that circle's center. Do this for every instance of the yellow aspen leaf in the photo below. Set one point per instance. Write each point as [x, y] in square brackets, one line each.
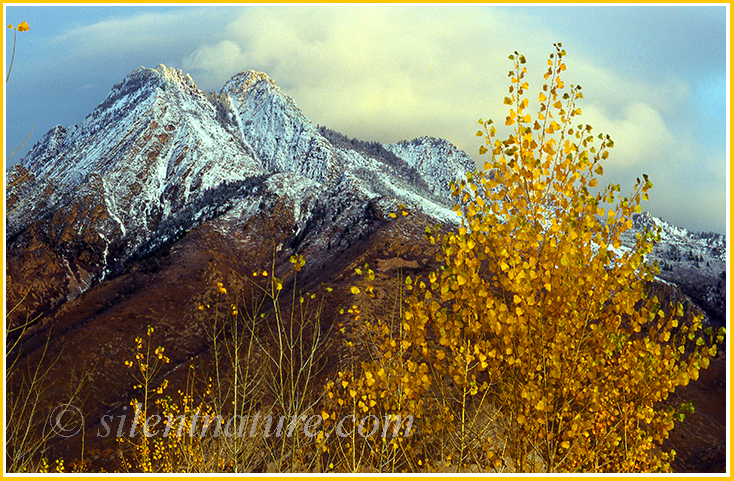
[23, 27]
[355, 290]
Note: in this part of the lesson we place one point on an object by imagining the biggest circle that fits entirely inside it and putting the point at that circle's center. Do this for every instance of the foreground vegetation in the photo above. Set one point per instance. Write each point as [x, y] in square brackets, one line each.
[533, 348]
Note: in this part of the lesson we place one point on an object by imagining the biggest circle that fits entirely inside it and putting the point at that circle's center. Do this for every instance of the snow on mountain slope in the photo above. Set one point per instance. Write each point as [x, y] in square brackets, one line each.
[286, 141]
[694, 262]
[439, 162]
[158, 157]
[152, 144]
[678, 246]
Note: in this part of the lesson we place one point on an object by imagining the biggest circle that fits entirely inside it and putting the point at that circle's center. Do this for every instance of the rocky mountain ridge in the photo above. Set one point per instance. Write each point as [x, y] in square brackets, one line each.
[158, 157]
[695, 262]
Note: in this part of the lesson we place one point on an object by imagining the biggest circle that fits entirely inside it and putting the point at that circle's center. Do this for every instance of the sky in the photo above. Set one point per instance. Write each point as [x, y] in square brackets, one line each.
[655, 78]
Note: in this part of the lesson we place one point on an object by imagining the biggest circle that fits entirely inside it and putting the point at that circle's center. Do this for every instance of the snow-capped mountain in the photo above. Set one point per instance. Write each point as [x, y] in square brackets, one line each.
[150, 148]
[158, 157]
[696, 262]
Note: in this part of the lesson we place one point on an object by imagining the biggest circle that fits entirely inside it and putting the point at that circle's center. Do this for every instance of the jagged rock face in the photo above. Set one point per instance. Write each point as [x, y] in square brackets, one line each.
[428, 156]
[694, 262]
[153, 143]
[158, 157]
[284, 139]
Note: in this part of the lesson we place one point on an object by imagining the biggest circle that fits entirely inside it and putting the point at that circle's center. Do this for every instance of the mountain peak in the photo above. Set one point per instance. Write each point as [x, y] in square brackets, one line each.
[175, 76]
[244, 81]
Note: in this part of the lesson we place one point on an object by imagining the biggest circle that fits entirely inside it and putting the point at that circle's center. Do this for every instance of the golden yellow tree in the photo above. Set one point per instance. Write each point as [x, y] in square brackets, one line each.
[543, 350]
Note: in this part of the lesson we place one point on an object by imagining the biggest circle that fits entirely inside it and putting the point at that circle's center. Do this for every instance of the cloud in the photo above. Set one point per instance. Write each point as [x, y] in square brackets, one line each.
[697, 203]
[387, 73]
[121, 42]
[380, 73]
[639, 132]
[217, 60]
